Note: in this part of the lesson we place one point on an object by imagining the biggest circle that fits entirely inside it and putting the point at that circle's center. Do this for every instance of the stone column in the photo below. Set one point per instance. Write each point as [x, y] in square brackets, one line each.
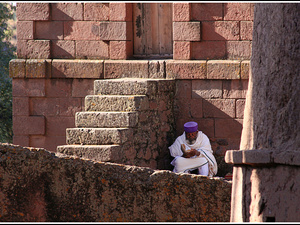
[266, 168]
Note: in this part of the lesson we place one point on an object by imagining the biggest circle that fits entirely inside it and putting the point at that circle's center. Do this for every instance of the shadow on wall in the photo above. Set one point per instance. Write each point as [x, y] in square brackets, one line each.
[218, 112]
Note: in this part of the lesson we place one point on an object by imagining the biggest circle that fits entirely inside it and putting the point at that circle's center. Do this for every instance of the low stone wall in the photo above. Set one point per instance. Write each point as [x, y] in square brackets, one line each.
[36, 185]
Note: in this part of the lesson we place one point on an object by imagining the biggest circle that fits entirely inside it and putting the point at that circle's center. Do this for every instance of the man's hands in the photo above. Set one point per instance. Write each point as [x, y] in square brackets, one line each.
[189, 153]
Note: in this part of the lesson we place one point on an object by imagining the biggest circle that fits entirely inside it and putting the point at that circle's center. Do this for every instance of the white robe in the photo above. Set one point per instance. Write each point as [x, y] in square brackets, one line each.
[202, 145]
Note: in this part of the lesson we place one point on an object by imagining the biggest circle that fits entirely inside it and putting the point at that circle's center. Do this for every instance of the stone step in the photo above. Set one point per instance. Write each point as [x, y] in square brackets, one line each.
[124, 86]
[103, 153]
[106, 119]
[98, 136]
[109, 103]
[132, 86]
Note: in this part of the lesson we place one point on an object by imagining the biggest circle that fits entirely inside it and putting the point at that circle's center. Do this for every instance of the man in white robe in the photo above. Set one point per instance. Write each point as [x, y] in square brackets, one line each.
[192, 150]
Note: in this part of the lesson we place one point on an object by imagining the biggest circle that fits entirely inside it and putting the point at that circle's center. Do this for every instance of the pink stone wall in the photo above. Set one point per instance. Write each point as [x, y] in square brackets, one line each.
[63, 47]
[74, 30]
[225, 30]
[105, 30]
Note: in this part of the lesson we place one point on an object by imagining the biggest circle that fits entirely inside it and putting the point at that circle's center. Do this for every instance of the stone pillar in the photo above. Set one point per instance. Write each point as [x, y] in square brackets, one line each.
[266, 168]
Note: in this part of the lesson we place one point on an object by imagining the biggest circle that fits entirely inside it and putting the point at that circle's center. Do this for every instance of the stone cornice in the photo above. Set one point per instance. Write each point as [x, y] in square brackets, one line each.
[260, 157]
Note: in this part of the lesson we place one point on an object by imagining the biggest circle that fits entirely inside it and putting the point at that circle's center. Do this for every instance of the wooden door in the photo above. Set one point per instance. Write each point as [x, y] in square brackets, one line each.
[153, 37]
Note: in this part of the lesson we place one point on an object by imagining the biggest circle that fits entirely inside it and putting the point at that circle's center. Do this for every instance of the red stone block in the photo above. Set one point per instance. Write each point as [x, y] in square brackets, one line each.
[120, 12]
[22, 49]
[21, 140]
[33, 49]
[81, 30]
[245, 69]
[183, 89]
[58, 88]
[235, 88]
[116, 31]
[186, 31]
[57, 125]
[52, 30]
[36, 68]
[181, 108]
[220, 30]
[240, 106]
[207, 11]
[196, 108]
[20, 106]
[219, 108]
[223, 69]
[48, 142]
[82, 87]
[181, 50]
[61, 49]
[186, 69]
[120, 49]
[208, 50]
[67, 11]
[77, 68]
[239, 49]
[69, 106]
[28, 87]
[96, 11]
[17, 68]
[44, 106]
[206, 89]
[28, 125]
[126, 68]
[246, 30]
[205, 125]
[238, 11]
[25, 30]
[181, 12]
[33, 11]
[92, 49]
[228, 128]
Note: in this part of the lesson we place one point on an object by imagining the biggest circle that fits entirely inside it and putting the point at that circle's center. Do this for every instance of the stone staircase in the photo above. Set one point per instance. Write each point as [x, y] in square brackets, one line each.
[128, 121]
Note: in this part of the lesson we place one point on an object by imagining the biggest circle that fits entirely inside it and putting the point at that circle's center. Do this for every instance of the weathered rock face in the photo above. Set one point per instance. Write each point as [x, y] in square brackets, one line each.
[36, 185]
[266, 170]
[272, 110]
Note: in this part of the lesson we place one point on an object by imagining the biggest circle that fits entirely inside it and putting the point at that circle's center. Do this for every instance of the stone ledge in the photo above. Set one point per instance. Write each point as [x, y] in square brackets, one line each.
[111, 69]
[263, 157]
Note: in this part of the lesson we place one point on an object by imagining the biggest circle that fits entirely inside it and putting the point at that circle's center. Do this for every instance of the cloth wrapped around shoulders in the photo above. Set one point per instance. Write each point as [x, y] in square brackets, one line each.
[201, 144]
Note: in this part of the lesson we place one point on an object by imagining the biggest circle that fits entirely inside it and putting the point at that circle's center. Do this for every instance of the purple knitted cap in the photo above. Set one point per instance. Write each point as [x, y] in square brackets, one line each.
[190, 127]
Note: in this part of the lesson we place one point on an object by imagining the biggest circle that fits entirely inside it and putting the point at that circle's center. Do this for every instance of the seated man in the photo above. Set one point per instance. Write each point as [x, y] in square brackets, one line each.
[192, 150]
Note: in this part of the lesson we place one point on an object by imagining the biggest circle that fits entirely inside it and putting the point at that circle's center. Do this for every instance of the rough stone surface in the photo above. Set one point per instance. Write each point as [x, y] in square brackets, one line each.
[106, 119]
[149, 117]
[37, 185]
[185, 69]
[17, 68]
[223, 69]
[271, 122]
[77, 68]
[103, 153]
[274, 85]
[186, 31]
[98, 136]
[125, 68]
[120, 11]
[263, 156]
[96, 11]
[33, 11]
[115, 31]
[181, 11]
[115, 103]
